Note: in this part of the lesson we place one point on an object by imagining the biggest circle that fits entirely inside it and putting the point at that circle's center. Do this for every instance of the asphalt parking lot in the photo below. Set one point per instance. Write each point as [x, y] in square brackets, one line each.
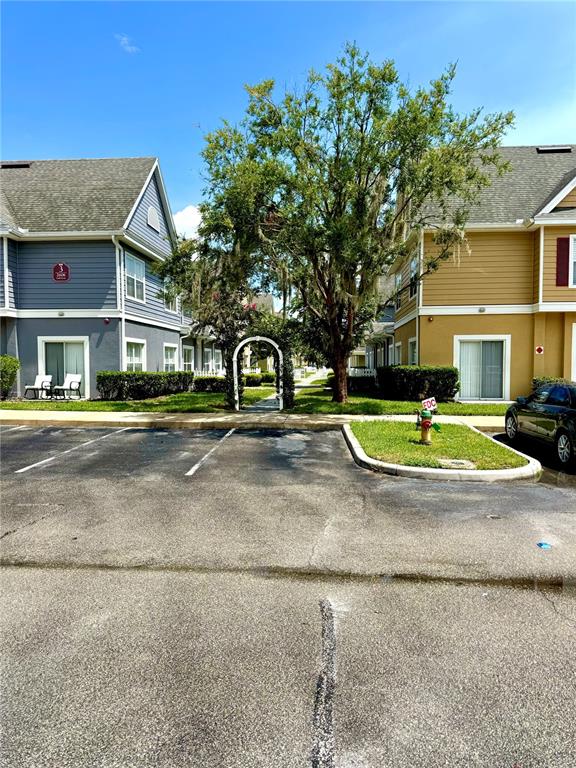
[552, 473]
[253, 598]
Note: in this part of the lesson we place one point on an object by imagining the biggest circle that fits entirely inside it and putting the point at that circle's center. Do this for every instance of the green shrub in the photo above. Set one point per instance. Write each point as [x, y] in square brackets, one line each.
[416, 382]
[8, 369]
[128, 385]
[268, 377]
[253, 379]
[540, 381]
[209, 384]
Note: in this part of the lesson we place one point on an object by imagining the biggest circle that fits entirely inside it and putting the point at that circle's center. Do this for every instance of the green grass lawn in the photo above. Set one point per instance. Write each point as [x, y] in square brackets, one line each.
[398, 443]
[316, 399]
[184, 402]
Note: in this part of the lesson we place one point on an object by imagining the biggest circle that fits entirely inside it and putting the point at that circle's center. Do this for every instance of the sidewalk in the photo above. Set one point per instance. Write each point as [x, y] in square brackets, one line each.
[225, 420]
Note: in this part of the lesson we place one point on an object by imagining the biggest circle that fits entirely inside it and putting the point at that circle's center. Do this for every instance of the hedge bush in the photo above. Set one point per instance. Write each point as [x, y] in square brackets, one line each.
[540, 381]
[209, 384]
[416, 382]
[268, 377]
[253, 379]
[8, 369]
[129, 385]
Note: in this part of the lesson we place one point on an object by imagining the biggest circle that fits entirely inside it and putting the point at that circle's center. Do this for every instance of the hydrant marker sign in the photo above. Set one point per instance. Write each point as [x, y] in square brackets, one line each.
[429, 404]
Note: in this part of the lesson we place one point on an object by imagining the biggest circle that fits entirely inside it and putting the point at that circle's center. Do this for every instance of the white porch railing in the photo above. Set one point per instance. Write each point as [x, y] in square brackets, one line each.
[352, 372]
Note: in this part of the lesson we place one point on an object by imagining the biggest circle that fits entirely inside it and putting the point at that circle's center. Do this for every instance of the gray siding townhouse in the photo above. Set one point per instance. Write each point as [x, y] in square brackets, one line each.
[78, 293]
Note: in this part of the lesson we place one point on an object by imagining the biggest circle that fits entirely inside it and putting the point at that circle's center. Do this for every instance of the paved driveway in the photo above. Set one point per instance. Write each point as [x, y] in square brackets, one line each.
[201, 598]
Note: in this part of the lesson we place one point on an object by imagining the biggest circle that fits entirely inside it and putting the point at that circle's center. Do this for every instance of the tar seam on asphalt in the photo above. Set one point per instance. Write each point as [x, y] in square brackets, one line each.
[554, 583]
[198, 464]
[323, 723]
[75, 448]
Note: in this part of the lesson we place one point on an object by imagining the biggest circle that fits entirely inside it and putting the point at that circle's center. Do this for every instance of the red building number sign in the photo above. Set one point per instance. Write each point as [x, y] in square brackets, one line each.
[61, 272]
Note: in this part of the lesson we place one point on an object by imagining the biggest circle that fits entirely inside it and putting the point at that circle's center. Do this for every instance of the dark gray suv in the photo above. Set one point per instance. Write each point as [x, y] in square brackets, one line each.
[549, 415]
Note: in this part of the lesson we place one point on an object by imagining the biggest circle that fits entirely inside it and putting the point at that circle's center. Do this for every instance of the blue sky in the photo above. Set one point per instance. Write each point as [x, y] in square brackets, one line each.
[105, 79]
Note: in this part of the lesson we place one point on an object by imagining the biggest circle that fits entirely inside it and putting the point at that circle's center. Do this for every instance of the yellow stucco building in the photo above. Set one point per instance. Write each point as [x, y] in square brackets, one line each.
[503, 310]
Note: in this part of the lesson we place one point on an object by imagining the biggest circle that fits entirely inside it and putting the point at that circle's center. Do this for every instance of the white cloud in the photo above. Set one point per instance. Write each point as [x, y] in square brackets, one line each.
[187, 221]
[126, 43]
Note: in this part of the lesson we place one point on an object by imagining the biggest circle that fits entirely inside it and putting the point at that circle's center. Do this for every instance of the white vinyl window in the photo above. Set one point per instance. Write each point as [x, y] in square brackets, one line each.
[572, 261]
[135, 278]
[188, 358]
[398, 353]
[397, 287]
[170, 357]
[413, 277]
[412, 352]
[218, 360]
[171, 304]
[135, 355]
[208, 360]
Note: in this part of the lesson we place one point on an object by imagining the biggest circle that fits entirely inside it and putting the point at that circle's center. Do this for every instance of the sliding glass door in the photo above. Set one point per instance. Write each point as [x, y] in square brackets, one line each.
[62, 357]
[482, 370]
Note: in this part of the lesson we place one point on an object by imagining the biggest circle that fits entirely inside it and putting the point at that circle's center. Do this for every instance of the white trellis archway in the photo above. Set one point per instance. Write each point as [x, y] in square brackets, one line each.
[280, 368]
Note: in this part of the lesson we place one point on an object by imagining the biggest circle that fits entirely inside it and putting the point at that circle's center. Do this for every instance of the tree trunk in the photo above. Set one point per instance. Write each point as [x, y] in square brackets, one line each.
[340, 366]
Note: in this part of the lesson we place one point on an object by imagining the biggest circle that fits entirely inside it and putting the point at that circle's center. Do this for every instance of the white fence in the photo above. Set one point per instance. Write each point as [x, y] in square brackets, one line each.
[352, 372]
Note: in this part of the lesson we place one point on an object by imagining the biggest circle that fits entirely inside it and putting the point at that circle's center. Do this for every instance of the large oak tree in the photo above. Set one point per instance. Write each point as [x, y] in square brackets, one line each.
[317, 192]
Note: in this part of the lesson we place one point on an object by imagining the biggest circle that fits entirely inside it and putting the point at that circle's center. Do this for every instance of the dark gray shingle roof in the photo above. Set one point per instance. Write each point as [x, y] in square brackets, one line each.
[72, 195]
[534, 179]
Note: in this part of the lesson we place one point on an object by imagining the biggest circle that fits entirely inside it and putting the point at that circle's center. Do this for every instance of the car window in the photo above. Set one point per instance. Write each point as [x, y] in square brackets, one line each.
[559, 396]
[541, 395]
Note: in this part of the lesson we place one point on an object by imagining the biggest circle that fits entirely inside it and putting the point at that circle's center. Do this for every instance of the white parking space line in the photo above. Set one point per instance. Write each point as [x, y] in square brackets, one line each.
[198, 464]
[76, 447]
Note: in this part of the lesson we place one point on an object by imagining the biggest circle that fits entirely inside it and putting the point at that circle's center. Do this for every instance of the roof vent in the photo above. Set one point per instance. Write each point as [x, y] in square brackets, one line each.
[15, 164]
[153, 219]
[553, 150]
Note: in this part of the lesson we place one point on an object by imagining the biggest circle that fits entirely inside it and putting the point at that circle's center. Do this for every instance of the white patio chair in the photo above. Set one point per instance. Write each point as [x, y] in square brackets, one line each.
[71, 384]
[42, 384]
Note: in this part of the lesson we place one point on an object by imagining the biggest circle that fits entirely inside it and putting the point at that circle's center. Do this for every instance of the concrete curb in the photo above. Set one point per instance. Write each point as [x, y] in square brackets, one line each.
[530, 471]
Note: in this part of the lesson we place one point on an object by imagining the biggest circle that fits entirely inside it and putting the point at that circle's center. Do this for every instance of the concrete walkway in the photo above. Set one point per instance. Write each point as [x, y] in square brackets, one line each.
[224, 420]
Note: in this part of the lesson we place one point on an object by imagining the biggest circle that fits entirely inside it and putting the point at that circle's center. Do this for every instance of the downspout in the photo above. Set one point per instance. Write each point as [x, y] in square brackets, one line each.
[5, 271]
[120, 300]
[419, 295]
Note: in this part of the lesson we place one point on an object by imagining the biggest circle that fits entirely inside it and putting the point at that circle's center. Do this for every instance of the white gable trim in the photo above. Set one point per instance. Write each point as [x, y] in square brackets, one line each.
[166, 204]
[163, 197]
[549, 207]
[140, 196]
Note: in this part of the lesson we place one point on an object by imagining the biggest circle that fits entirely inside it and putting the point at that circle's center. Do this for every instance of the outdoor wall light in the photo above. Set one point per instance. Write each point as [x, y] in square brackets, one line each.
[430, 319]
[107, 321]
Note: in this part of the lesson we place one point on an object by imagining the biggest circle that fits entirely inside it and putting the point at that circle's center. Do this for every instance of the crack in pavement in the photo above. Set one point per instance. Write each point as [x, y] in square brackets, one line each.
[323, 721]
[555, 607]
[20, 527]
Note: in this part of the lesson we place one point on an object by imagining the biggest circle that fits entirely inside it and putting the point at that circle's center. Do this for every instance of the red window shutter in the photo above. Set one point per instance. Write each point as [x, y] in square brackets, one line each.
[562, 260]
